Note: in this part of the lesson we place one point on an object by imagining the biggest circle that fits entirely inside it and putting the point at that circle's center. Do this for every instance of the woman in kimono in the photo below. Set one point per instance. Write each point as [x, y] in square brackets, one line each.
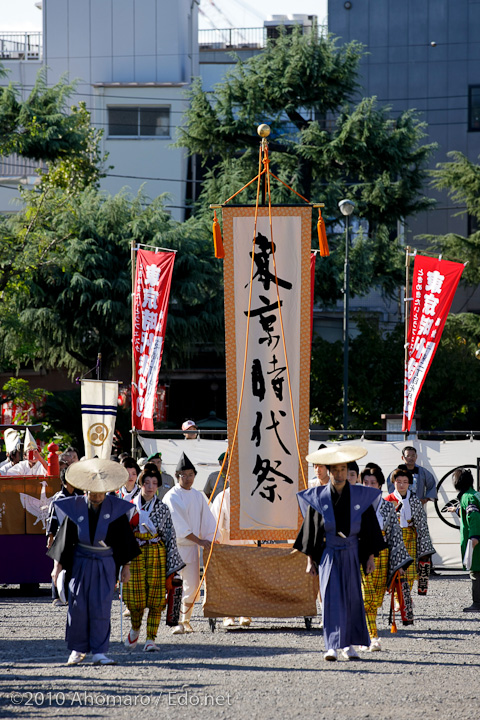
[413, 523]
[394, 557]
[93, 542]
[131, 489]
[339, 532]
[153, 570]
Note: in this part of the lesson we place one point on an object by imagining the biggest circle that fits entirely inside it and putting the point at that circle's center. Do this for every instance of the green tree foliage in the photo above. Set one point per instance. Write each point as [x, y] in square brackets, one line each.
[375, 377]
[321, 144]
[461, 179]
[77, 304]
[450, 397]
[41, 127]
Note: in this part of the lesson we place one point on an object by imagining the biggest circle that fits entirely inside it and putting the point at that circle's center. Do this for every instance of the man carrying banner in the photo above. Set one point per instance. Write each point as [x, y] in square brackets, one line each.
[94, 540]
[340, 530]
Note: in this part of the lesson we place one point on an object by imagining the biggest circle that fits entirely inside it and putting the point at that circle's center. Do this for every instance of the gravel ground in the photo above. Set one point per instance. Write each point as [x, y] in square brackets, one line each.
[274, 669]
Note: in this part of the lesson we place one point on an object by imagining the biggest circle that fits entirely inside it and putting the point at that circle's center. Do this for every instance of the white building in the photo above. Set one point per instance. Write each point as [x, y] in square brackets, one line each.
[133, 61]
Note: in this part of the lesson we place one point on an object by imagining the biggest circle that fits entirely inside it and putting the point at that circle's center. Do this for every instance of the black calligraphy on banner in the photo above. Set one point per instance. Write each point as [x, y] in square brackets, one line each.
[261, 258]
[268, 386]
[264, 472]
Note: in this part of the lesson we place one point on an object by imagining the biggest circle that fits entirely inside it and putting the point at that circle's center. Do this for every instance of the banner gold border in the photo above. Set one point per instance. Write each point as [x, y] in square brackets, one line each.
[231, 340]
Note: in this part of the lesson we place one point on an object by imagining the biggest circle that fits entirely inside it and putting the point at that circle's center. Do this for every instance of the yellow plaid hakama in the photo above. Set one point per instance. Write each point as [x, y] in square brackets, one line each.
[374, 587]
[146, 587]
[410, 539]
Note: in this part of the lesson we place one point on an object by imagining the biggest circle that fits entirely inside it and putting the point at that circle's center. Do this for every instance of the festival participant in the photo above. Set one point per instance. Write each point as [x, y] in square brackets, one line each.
[68, 457]
[469, 513]
[190, 430]
[353, 473]
[36, 465]
[212, 480]
[131, 489]
[94, 541]
[413, 523]
[339, 532]
[394, 557]
[152, 571]
[12, 446]
[52, 524]
[195, 527]
[166, 480]
[423, 482]
[321, 473]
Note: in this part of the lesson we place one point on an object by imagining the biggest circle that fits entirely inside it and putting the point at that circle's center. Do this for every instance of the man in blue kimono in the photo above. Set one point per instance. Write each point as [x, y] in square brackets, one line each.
[95, 539]
[339, 531]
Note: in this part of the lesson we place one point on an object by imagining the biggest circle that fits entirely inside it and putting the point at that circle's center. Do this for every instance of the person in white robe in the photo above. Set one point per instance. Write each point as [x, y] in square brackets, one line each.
[195, 528]
[36, 466]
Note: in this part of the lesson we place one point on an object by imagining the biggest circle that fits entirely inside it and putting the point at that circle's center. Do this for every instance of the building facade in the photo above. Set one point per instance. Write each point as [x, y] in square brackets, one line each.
[132, 61]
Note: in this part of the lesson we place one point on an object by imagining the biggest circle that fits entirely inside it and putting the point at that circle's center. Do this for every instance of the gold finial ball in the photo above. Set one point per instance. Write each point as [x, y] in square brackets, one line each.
[263, 130]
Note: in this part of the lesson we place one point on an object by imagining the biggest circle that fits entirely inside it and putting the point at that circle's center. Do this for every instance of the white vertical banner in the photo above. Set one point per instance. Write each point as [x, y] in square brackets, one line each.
[265, 472]
[99, 411]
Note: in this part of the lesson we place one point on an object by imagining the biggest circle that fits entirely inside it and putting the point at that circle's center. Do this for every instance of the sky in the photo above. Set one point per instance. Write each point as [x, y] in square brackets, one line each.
[18, 15]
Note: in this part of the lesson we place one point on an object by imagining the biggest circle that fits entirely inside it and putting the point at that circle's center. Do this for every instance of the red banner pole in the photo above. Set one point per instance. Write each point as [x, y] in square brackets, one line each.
[407, 317]
[134, 366]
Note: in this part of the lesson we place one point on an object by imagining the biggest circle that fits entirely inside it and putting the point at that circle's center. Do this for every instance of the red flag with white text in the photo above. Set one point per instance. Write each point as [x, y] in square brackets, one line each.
[433, 287]
[153, 279]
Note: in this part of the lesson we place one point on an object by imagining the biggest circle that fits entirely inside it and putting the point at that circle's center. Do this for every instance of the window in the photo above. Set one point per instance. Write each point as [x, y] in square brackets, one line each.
[474, 108]
[131, 121]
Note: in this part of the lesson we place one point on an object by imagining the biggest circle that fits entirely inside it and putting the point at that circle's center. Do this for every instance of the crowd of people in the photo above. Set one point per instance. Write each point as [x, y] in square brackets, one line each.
[130, 522]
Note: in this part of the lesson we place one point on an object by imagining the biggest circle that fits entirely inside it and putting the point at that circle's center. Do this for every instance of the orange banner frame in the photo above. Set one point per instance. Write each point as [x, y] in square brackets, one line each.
[234, 337]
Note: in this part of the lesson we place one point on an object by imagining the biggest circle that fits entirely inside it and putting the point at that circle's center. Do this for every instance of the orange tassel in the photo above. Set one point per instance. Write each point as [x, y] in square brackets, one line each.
[217, 238]
[394, 627]
[322, 236]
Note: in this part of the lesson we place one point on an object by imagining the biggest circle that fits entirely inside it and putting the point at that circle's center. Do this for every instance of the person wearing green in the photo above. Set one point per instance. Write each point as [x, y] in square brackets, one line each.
[469, 513]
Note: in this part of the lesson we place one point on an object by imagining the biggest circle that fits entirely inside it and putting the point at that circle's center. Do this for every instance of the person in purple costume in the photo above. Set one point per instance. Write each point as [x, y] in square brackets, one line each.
[95, 539]
[339, 531]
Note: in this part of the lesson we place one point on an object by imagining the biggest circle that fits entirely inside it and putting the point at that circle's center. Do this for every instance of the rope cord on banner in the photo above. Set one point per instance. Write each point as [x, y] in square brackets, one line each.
[267, 162]
[266, 171]
[229, 455]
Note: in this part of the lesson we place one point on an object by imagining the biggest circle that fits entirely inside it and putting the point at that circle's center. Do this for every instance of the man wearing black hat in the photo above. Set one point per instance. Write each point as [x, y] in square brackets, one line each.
[167, 480]
[94, 540]
[195, 527]
[212, 480]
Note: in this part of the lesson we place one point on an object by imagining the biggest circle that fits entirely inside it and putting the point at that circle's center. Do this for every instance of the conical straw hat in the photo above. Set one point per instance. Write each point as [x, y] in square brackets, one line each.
[335, 455]
[96, 475]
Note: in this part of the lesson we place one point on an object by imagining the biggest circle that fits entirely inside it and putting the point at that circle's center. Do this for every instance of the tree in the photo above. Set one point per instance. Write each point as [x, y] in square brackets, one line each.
[41, 127]
[373, 354]
[321, 145]
[446, 402]
[461, 179]
[78, 304]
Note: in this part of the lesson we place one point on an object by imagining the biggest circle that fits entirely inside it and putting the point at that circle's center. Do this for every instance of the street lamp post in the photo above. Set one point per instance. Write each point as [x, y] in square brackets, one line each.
[346, 208]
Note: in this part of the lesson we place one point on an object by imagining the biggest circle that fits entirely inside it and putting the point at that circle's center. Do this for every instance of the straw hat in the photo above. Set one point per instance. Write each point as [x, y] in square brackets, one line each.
[335, 455]
[97, 475]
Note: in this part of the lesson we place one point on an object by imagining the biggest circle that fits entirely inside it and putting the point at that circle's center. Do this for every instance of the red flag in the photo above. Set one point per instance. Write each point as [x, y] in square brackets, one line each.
[433, 287]
[153, 279]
